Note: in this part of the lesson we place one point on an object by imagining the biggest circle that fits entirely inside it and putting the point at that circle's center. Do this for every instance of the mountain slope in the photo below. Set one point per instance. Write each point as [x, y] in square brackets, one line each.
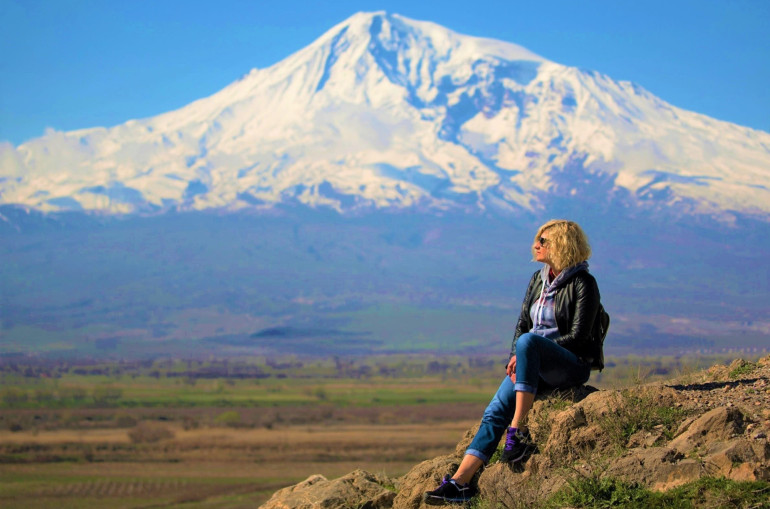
[385, 112]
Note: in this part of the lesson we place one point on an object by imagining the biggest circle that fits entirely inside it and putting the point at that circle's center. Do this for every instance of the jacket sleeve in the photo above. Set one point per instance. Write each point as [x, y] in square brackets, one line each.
[524, 324]
[579, 337]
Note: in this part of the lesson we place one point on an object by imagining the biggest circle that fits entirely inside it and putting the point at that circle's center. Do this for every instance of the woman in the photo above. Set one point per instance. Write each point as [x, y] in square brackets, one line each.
[556, 340]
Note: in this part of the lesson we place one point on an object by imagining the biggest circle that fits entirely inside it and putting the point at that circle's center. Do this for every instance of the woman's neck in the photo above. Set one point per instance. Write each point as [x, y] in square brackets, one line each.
[552, 273]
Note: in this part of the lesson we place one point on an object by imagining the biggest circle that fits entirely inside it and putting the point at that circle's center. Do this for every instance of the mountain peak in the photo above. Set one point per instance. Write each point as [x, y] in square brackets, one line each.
[383, 111]
[396, 32]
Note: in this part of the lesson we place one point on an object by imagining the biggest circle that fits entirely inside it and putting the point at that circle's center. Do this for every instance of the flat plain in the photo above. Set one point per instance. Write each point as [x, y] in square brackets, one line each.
[228, 434]
[215, 467]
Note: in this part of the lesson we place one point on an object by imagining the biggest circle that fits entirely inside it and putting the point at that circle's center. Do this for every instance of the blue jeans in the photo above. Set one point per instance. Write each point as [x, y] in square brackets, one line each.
[539, 360]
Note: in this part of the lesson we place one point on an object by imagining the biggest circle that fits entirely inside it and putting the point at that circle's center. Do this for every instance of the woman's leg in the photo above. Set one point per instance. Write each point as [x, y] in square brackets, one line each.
[538, 357]
[518, 443]
[495, 421]
[467, 469]
[524, 402]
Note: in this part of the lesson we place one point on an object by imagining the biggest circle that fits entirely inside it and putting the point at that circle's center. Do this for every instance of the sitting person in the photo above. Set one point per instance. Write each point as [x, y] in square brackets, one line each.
[557, 338]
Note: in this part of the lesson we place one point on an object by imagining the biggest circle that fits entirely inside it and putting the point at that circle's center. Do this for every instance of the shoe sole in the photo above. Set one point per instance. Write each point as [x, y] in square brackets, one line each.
[431, 500]
[524, 453]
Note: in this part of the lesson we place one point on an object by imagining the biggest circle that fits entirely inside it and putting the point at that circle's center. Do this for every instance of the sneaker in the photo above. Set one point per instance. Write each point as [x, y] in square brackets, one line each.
[449, 492]
[518, 446]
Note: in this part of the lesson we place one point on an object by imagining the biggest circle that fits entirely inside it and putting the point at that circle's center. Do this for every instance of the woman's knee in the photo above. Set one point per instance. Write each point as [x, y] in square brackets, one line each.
[526, 343]
[502, 404]
[497, 417]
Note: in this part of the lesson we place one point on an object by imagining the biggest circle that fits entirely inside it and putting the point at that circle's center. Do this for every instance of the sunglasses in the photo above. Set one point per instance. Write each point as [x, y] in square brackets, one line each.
[542, 241]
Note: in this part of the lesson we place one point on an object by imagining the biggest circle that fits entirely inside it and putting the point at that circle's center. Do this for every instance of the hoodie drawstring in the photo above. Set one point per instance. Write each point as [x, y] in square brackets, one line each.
[539, 309]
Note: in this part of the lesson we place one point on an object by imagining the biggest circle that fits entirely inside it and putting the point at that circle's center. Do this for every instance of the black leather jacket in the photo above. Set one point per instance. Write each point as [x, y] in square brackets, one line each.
[575, 308]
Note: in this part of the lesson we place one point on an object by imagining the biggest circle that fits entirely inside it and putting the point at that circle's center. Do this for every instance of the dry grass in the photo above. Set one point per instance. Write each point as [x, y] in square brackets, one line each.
[147, 433]
[49, 419]
[207, 467]
[64, 436]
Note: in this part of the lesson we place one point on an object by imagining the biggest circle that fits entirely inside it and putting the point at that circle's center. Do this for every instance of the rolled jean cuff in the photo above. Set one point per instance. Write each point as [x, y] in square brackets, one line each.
[525, 387]
[480, 455]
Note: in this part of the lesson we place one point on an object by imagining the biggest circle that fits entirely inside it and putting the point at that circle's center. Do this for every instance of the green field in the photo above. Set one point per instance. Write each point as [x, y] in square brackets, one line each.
[290, 381]
[225, 433]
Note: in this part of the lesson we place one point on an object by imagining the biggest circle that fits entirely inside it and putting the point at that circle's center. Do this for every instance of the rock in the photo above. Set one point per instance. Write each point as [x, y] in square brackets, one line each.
[424, 477]
[599, 403]
[660, 468]
[588, 439]
[645, 438]
[501, 486]
[718, 372]
[714, 425]
[358, 489]
[684, 425]
[498, 485]
[737, 459]
[563, 426]
[726, 436]
[573, 394]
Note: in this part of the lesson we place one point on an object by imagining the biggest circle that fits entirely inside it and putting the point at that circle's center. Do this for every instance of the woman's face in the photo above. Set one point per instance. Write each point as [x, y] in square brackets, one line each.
[541, 248]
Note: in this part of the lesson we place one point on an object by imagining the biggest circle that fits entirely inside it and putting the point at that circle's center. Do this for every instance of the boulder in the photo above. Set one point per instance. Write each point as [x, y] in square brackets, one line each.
[358, 489]
[426, 476]
[738, 459]
[599, 404]
[713, 426]
[559, 440]
[503, 486]
[659, 468]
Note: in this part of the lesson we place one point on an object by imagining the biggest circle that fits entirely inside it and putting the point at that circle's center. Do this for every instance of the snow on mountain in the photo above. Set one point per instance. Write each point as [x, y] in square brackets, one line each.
[387, 112]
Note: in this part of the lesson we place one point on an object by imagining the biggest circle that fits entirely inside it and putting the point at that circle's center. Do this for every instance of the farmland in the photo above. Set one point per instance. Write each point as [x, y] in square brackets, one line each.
[222, 433]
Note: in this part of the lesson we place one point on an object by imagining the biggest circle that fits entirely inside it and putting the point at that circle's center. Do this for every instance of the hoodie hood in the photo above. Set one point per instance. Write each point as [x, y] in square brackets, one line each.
[563, 276]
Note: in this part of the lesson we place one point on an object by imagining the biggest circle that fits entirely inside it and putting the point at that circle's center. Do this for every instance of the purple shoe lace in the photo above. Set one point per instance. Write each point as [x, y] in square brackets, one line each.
[510, 439]
[447, 478]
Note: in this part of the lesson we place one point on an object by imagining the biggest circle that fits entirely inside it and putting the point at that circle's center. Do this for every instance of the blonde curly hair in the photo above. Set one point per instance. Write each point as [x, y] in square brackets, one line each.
[567, 243]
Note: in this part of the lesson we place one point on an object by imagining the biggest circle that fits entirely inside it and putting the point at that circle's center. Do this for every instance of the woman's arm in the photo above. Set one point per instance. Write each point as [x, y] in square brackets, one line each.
[524, 324]
[586, 297]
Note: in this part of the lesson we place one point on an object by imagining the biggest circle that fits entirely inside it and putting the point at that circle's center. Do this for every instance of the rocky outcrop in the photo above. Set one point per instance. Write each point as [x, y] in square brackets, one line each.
[358, 489]
[660, 435]
[428, 474]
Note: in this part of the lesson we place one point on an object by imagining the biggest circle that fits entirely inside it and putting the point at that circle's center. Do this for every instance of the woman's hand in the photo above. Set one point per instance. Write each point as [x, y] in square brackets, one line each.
[510, 370]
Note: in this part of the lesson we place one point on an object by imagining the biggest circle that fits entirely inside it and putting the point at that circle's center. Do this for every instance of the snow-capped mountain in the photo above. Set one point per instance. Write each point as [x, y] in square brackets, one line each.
[387, 112]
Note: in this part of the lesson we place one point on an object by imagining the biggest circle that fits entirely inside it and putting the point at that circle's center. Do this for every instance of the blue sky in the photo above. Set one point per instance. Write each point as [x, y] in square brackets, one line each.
[71, 64]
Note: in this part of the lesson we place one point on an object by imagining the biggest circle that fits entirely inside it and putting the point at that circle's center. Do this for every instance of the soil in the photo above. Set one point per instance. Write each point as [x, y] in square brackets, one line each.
[743, 385]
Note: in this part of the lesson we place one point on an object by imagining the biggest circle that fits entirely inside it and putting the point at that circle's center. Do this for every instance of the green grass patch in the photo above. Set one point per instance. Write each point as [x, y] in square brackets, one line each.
[635, 411]
[742, 369]
[707, 492]
[591, 491]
